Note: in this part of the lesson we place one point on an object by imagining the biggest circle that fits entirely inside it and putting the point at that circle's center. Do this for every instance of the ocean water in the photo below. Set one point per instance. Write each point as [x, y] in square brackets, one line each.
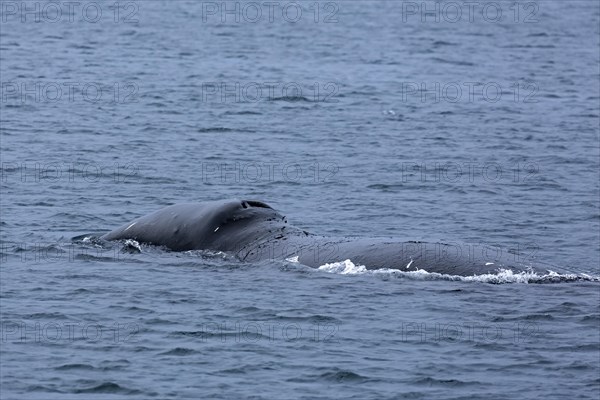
[464, 123]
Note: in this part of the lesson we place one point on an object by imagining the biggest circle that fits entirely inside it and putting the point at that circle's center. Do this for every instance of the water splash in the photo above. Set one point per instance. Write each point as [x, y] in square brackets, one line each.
[347, 267]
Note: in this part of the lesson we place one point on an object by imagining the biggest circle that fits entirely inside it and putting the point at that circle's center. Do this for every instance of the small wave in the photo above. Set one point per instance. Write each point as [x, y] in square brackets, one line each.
[347, 267]
[242, 113]
[343, 375]
[443, 43]
[179, 351]
[66, 367]
[292, 99]
[333, 375]
[108, 387]
[214, 129]
[429, 381]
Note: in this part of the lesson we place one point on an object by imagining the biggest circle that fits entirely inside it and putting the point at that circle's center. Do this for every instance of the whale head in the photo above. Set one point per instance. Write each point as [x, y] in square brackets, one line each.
[219, 225]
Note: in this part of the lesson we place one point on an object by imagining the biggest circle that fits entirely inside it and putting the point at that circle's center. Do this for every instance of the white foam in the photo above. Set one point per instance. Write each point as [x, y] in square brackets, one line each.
[133, 243]
[292, 259]
[347, 267]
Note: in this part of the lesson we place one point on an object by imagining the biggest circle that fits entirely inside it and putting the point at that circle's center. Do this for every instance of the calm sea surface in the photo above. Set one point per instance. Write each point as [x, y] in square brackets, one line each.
[474, 123]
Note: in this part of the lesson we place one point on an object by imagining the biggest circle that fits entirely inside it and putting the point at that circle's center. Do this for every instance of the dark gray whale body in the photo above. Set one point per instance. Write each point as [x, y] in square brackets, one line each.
[254, 231]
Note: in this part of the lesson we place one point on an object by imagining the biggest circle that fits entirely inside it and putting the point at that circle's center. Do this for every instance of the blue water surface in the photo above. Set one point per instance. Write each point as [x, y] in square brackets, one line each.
[475, 124]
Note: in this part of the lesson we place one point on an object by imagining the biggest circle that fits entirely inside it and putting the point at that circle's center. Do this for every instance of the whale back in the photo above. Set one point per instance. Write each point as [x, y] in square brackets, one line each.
[254, 231]
[219, 225]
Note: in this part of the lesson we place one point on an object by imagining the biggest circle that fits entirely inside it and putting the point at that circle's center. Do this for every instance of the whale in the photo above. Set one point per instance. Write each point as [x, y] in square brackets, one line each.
[253, 231]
